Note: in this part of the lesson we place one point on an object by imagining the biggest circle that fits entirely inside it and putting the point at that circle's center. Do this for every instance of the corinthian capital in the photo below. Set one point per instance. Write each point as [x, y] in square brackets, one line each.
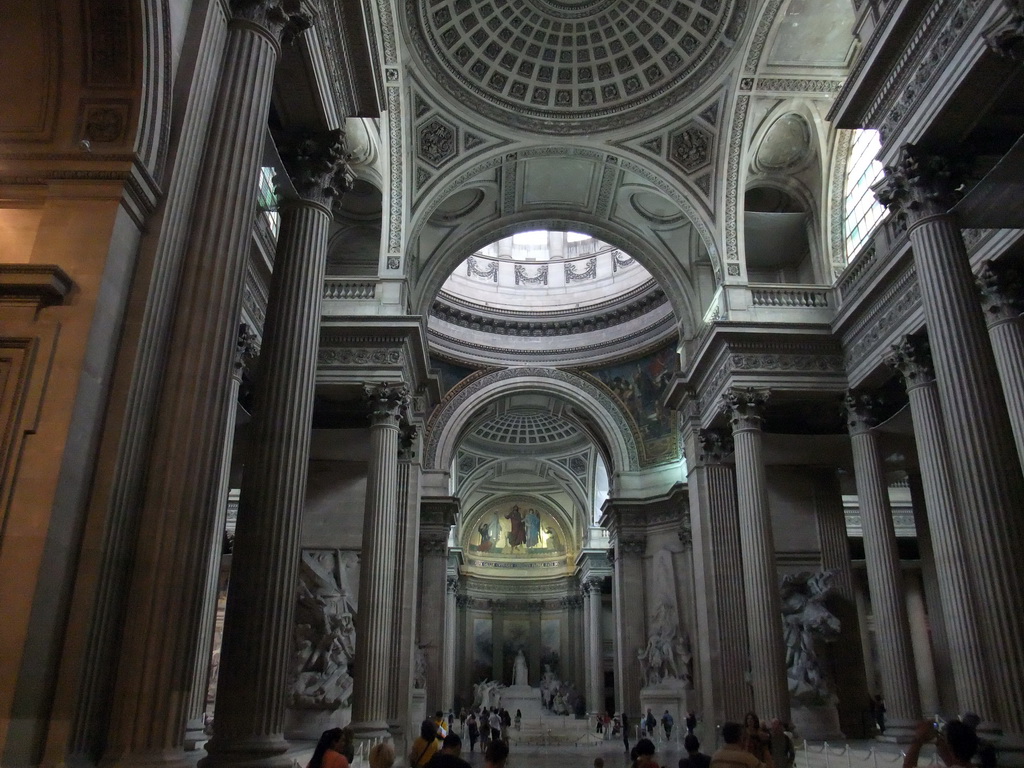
[745, 407]
[912, 357]
[919, 184]
[387, 402]
[861, 411]
[316, 162]
[715, 445]
[1006, 37]
[1001, 292]
[283, 19]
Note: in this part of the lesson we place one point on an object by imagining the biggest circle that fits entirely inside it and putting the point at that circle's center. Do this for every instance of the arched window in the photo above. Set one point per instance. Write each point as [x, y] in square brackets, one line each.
[863, 212]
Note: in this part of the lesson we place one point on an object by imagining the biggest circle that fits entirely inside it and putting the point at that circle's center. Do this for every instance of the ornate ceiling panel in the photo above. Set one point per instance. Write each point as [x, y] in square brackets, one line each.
[574, 66]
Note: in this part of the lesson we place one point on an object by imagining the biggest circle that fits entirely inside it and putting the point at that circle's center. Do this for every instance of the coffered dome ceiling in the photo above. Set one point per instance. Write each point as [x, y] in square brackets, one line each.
[564, 66]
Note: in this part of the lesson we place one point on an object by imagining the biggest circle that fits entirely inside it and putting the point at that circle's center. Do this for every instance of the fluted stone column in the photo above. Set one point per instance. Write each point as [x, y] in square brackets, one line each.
[745, 409]
[246, 350]
[373, 667]
[595, 661]
[885, 582]
[945, 683]
[723, 656]
[986, 466]
[588, 681]
[846, 654]
[946, 524]
[630, 623]
[450, 618]
[177, 535]
[258, 631]
[1001, 301]
[406, 605]
[435, 525]
[921, 642]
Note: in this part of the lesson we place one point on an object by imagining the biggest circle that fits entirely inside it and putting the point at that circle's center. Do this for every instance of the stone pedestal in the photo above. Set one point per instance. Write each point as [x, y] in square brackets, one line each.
[523, 698]
[673, 696]
[816, 723]
[418, 706]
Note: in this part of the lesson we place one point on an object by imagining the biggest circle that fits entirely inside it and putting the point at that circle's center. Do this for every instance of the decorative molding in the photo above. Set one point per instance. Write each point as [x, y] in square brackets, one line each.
[359, 356]
[457, 397]
[760, 36]
[732, 182]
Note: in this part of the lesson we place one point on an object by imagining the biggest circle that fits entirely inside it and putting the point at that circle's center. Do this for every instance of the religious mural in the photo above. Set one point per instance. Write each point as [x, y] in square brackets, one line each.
[639, 385]
[550, 644]
[483, 649]
[516, 529]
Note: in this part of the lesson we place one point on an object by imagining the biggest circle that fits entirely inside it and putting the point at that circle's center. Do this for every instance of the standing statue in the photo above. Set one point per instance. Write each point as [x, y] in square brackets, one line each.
[520, 674]
[806, 620]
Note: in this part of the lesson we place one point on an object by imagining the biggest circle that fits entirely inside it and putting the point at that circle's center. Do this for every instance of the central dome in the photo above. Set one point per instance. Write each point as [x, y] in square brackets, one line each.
[573, 67]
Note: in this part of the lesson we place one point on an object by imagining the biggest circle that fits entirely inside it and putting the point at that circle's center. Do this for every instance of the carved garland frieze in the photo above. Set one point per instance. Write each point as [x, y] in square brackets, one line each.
[360, 356]
[573, 275]
[886, 316]
[905, 89]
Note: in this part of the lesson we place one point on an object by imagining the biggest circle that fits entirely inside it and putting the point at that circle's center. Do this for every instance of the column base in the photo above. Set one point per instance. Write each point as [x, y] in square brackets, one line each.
[195, 734]
[167, 758]
[268, 752]
[1009, 749]
[898, 731]
[371, 730]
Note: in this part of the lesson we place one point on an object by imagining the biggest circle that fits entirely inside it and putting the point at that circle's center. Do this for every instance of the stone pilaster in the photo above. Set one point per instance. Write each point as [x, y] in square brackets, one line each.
[885, 582]
[745, 410]
[258, 631]
[436, 520]
[450, 618]
[1001, 294]
[406, 605]
[177, 536]
[595, 644]
[986, 467]
[246, 351]
[630, 624]
[377, 568]
[912, 358]
[846, 654]
[723, 658]
[588, 681]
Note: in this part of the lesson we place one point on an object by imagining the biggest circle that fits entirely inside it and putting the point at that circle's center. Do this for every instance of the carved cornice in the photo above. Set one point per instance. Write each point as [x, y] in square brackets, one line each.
[861, 411]
[316, 162]
[539, 326]
[919, 184]
[37, 285]
[912, 357]
[744, 407]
